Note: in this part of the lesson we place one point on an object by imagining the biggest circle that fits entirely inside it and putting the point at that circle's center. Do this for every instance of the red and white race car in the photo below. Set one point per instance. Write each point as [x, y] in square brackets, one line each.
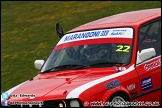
[113, 61]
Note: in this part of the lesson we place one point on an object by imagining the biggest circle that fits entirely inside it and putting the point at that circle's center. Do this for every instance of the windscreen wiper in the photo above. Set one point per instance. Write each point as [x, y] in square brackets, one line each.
[56, 68]
[81, 66]
[101, 63]
[109, 63]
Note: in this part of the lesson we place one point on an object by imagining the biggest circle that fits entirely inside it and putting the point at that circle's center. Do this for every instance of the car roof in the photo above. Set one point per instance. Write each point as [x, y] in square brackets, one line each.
[123, 19]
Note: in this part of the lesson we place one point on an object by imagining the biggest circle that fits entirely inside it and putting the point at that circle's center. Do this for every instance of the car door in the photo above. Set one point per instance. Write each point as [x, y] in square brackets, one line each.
[149, 71]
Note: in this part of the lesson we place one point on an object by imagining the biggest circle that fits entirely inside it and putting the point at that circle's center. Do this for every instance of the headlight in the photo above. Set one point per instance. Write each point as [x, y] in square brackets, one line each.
[74, 103]
[62, 103]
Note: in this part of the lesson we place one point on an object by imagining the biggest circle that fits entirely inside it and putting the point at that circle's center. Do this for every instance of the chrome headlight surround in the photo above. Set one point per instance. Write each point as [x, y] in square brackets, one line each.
[62, 103]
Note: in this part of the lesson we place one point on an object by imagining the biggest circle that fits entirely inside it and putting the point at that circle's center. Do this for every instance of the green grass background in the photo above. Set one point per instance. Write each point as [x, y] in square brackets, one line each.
[28, 30]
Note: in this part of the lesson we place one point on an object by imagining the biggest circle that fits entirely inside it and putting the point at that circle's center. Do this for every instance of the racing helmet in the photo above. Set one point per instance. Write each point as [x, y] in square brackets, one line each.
[94, 52]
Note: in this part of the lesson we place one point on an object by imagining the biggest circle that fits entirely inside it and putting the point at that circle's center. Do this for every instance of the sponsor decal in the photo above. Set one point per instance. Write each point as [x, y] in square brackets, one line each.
[146, 83]
[132, 86]
[96, 34]
[88, 34]
[152, 65]
[118, 32]
[119, 68]
[113, 84]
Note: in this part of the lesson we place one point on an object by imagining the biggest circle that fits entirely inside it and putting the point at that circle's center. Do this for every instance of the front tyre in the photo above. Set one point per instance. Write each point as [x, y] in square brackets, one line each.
[116, 100]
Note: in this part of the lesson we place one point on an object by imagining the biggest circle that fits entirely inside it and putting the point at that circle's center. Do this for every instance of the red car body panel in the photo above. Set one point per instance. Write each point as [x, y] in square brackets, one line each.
[134, 18]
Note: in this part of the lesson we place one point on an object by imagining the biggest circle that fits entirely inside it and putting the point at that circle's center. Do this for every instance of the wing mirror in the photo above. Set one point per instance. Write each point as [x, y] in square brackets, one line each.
[38, 64]
[145, 54]
[59, 30]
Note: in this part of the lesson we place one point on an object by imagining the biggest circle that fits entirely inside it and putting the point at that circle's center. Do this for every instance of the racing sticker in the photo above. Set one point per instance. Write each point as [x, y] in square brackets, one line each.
[146, 83]
[131, 86]
[113, 84]
[119, 68]
[121, 48]
[152, 65]
[101, 33]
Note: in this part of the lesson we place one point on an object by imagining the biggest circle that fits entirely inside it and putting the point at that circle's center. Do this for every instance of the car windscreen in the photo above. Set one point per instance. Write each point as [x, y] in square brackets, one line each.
[108, 45]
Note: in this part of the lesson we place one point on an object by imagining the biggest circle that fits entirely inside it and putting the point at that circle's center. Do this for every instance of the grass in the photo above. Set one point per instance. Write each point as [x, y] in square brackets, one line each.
[28, 30]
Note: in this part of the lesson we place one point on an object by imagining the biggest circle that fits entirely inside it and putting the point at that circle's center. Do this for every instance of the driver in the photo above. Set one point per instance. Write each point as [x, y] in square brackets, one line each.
[94, 52]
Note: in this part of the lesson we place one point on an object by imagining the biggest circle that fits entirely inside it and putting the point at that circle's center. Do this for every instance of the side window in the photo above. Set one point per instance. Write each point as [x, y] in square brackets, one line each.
[150, 37]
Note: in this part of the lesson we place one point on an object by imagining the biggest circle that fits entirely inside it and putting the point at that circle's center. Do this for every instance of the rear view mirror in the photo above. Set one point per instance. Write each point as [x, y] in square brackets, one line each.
[38, 64]
[145, 54]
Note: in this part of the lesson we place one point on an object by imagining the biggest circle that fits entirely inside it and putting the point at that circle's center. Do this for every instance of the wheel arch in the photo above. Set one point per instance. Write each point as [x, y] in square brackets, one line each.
[108, 95]
[121, 92]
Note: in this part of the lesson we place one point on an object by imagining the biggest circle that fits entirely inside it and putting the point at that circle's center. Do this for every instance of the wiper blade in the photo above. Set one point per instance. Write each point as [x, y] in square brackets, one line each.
[102, 63]
[80, 67]
[49, 70]
[68, 65]
[62, 66]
